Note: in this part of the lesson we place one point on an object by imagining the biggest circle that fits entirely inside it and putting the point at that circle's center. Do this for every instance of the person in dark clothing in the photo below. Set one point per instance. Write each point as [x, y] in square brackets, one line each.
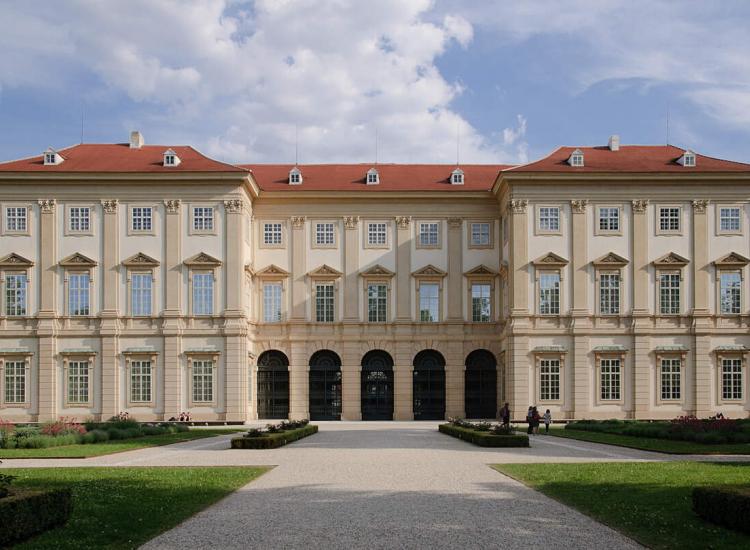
[530, 420]
[505, 415]
[535, 420]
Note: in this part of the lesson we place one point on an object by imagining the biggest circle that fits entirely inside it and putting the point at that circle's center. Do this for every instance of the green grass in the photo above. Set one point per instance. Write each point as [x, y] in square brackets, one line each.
[117, 446]
[650, 502]
[653, 444]
[125, 507]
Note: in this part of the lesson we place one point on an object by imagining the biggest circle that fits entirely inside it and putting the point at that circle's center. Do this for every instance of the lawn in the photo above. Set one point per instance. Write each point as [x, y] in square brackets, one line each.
[650, 502]
[125, 507]
[115, 446]
[653, 444]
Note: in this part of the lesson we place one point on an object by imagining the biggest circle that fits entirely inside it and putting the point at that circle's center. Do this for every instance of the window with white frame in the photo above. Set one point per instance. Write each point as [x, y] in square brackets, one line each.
[16, 293]
[16, 219]
[141, 377]
[609, 293]
[203, 218]
[481, 302]
[79, 290]
[549, 379]
[730, 292]
[729, 219]
[272, 235]
[669, 293]
[429, 302]
[669, 219]
[429, 235]
[203, 380]
[480, 234]
[549, 294]
[15, 381]
[141, 298]
[79, 219]
[609, 219]
[731, 378]
[203, 293]
[325, 234]
[610, 378]
[141, 218]
[671, 373]
[272, 302]
[324, 302]
[78, 381]
[549, 219]
[377, 302]
[377, 234]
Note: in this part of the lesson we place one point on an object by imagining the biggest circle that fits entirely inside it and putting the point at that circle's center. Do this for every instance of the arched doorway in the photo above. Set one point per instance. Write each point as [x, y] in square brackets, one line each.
[325, 385]
[429, 385]
[480, 384]
[377, 386]
[273, 385]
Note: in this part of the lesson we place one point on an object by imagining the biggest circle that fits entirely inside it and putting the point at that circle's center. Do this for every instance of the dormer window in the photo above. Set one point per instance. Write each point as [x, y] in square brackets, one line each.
[295, 176]
[372, 177]
[687, 159]
[576, 158]
[52, 157]
[457, 177]
[171, 158]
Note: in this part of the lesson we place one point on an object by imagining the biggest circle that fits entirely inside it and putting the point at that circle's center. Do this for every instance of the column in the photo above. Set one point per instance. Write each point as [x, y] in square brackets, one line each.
[110, 325]
[403, 269]
[517, 355]
[47, 327]
[519, 258]
[637, 392]
[403, 376]
[518, 376]
[455, 270]
[351, 270]
[351, 369]
[577, 379]
[698, 371]
[454, 381]
[299, 382]
[577, 367]
[173, 323]
[299, 290]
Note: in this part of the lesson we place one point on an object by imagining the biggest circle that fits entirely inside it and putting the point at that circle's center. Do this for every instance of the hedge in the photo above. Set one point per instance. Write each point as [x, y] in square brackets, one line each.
[725, 506]
[27, 513]
[273, 440]
[485, 439]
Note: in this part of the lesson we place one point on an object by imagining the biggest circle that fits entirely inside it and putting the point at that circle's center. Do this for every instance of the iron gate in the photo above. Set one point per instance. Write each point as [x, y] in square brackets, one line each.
[273, 385]
[377, 386]
[429, 386]
[480, 385]
[325, 386]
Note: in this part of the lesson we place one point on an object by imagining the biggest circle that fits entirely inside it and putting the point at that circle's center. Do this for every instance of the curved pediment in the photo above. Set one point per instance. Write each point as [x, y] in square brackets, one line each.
[671, 260]
[550, 260]
[77, 260]
[732, 260]
[140, 260]
[202, 260]
[429, 271]
[377, 271]
[610, 260]
[15, 260]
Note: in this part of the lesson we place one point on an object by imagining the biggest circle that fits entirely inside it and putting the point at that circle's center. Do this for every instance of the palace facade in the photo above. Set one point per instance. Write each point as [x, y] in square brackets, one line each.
[598, 282]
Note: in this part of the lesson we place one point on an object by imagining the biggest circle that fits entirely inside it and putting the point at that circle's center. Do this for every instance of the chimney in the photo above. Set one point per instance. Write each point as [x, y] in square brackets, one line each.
[614, 142]
[136, 139]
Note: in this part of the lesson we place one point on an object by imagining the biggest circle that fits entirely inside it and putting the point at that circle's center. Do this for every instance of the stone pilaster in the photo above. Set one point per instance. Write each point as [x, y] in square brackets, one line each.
[698, 371]
[700, 402]
[351, 373]
[403, 377]
[351, 270]
[455, 270]
[519, 258]
[299, 382]
[638, 384]
[578, 397]
[518, 376]
[47, 407]
[403, 269]
[109, 330]
[577, 366]
[236, 377]
[173, 324]
[454, 381]
[299, 290]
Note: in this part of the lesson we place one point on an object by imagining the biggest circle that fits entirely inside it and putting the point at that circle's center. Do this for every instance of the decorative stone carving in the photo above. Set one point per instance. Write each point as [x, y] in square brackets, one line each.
[172, 205]
[699, 206]
[610, 260]
[403, 222]
[351, 222]
[15, 260]
[298, 222]
[140, 260]
[325, 271]
[272, 271]
[481, 271]
[377, 271]
[551, 259]
[202, 260]
[732, 260]
[429, 271]
[233, 206]
[47, 205]
[639, 205]
[579, 206]
[671, 260]
[518, 206]
[77, 260]
[455, 223]
[110, 206]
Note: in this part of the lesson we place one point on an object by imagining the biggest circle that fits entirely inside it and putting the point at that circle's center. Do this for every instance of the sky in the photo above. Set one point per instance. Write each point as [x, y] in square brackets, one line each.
[377, 80]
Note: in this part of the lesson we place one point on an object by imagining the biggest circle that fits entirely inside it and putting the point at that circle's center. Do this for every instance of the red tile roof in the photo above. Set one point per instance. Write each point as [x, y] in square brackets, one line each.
[630, 158]
[393, 177]
[119, 157]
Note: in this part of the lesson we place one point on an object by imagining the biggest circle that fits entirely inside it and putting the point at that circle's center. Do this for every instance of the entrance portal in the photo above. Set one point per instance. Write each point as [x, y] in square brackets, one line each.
[429, 385]
[480, 385]
[377, 386]
[325, 386]
[273, 385]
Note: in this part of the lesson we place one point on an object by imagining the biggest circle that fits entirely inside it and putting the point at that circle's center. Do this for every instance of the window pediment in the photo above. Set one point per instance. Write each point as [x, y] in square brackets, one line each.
[140, 260]
[550, 260]
[202, 260]
[15, 260]
[77, 260]
[610, 260]
[732, 260]
[272, 271]
[429, 271]
[377, 271]
[480, 271]
[325, 271]
[671, 260]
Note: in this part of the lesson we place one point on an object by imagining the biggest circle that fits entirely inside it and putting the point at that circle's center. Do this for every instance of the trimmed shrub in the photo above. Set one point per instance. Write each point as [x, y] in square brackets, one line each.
[46, 441]
[95, 436]
[27, 513]
[484, 438]
[725, 506]
[272, 440]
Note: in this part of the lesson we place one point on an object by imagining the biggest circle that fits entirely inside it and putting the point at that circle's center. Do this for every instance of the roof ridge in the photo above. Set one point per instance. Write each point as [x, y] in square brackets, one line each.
[40, 154]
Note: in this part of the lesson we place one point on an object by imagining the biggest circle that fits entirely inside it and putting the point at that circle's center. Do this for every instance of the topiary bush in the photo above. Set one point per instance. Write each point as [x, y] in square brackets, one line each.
[710, 431]
[27, 513]
[257, 439]
[725, 506]
[484, 438]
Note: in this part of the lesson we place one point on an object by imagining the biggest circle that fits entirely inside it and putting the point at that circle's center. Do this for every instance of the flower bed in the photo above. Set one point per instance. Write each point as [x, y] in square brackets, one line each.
[725, 506]
[274, 435]
[484, 434]
[710, 431]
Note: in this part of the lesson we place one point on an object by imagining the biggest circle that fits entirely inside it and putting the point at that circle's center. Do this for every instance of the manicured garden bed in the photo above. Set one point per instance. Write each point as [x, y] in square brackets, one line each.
[484, 435]
[275, 435]
[125, 507]
[725, 506]
[650, 502]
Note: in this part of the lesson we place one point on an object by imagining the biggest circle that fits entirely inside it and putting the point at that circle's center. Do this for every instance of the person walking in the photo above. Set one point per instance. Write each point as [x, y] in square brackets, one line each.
[530, 420]
[535, 420]
[506, 415]
[547, 421]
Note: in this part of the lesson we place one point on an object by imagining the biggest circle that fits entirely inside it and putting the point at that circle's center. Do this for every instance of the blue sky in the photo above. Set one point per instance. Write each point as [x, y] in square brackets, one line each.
[239, 80]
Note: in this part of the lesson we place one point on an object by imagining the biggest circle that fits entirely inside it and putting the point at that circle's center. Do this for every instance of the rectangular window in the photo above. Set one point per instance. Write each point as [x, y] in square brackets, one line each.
[669, 219]
[609, 293]
[15, 382]
[324, 302]
[610, 379]
[671, 370]
[140, 381]
[549, 379]
[669, 293]
[429, 303]
[730, 290]
[272, 302]
[549, 294]
[428, 234]
[78, 382]
[203, 218]
[729, 219]
[480, 234]
[203, 293]
[377, 303]
[79, 219]
[481, 303]
[731, 378]
[324, 234]
[549, 219]
[376, 234]
[203, 381]
[78, 294]
[140, 299]
[609, 219]
[142, 218]
[15, 294]
[272, 234]
[16, 219]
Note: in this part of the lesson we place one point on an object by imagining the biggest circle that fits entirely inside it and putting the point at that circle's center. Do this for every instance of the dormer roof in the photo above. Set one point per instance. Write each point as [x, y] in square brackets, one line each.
[295, 176]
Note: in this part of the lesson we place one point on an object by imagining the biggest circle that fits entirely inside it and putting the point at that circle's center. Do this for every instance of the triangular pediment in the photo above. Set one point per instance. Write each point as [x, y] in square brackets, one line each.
[272, 271]
[551, 259]
[325, 270]
[732, 260]
[481, 271]
[610, 260]
[77, 260]
[429, 271]
[671, 260]
[140, 260]
[377, 271]
[14, 260]
[202, 260]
